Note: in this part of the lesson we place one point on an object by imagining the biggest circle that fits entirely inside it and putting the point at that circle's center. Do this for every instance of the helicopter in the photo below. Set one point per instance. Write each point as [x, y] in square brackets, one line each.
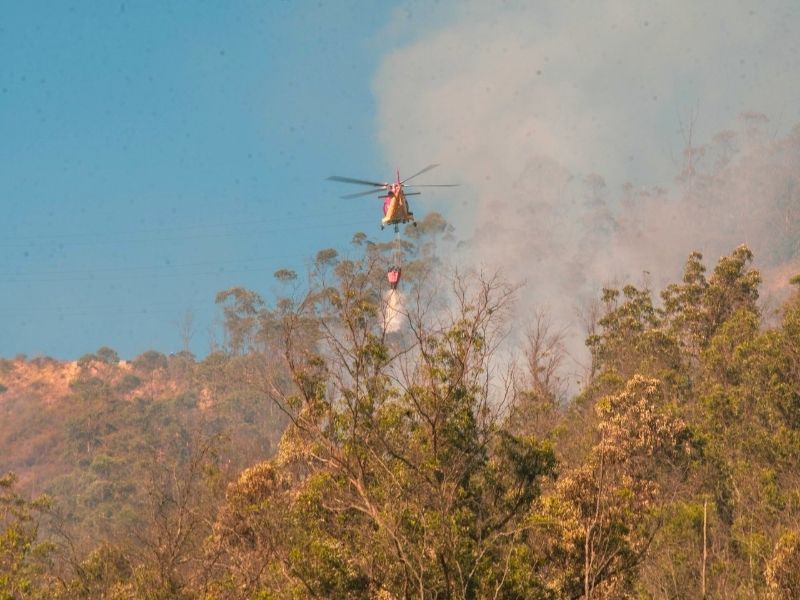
[396, 210]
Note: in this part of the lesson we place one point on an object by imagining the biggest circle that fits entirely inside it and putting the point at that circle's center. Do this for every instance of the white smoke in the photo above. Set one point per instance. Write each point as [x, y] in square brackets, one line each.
[394, 310]
[544, 114]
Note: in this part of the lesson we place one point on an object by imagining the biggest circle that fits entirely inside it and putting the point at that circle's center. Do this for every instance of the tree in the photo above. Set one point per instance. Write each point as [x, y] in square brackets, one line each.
[541, 389]
[395, 445]
[186, 328]
[180, 503]
[683, 306]
[241, 308]
[107, 355]
[150, 361]
[23, 557]
[783, 569]
[607, 508]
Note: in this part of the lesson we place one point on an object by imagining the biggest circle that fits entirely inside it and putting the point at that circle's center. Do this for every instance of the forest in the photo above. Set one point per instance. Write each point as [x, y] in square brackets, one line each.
[336, 448]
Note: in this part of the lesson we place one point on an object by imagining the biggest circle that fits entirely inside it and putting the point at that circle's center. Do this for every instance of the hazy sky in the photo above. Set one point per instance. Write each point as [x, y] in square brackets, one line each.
[598, 86]
[567, 121]
[155, 153]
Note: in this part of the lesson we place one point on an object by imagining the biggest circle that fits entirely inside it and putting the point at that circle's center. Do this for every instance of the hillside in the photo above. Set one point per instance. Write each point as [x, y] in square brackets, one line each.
[266, 470]
[90, 433]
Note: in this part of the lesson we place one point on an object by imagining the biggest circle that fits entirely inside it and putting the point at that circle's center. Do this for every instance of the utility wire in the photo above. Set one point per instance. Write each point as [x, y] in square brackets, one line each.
[119, 241]
[160, 229]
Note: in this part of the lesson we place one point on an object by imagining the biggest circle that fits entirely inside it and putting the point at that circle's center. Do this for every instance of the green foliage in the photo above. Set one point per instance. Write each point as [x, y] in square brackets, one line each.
[128, 383]
[107, 355]
[326, 257]
[95, 453]
[420, 472]
[410, 467]
[23, 557]
[243, 309]
[106, 572]
[632, 338]
[608, 506]
[90, 388]
[696, 308]
[149, 361]
[285, 275]
[783, 569]
[86, 360]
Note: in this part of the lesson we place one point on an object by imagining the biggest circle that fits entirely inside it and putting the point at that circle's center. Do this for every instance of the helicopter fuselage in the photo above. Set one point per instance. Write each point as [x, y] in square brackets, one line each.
[395, 204]
[395, 207]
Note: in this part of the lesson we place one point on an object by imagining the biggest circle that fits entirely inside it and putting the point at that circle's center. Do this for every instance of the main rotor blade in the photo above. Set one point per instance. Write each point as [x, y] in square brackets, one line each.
[433, 185]
[425, 170]
[359, 194]
[359, 181]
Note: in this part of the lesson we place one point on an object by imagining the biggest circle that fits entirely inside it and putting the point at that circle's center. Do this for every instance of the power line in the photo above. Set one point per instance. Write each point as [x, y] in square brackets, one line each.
[141, 269]
[195, 274]
[194, 226]
[120, 241]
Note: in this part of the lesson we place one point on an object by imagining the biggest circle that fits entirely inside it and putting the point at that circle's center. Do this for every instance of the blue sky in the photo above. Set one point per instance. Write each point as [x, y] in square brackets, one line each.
[152, 154]
[155, 153]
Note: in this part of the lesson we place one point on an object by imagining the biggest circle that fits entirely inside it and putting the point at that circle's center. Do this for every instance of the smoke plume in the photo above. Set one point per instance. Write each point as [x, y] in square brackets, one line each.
[394, 309]
[600, 143]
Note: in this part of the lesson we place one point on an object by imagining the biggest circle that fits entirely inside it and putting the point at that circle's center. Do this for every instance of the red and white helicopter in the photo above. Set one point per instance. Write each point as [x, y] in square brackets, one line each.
[396, 210]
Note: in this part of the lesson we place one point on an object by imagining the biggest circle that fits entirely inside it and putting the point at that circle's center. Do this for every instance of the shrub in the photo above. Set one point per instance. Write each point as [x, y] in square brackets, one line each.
[150, 361]
[107, 355]
[128, 383]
